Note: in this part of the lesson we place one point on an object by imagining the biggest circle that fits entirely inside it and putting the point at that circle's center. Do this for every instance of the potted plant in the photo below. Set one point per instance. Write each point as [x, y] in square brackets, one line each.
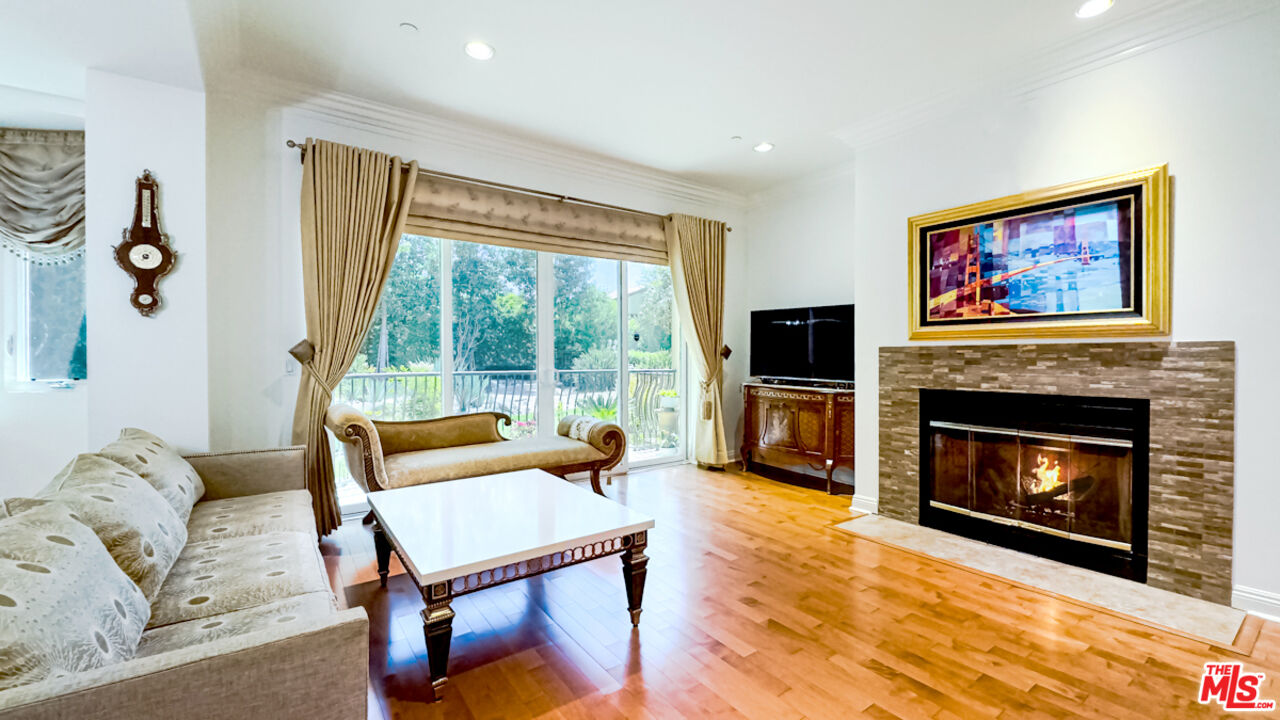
[669, 411]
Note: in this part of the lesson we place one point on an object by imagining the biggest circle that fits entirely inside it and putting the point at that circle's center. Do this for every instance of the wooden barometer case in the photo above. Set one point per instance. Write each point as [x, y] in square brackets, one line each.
[145, 253]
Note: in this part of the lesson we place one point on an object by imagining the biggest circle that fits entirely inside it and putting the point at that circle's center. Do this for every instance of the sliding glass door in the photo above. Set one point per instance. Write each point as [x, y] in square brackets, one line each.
[466, 327]
[495, 333]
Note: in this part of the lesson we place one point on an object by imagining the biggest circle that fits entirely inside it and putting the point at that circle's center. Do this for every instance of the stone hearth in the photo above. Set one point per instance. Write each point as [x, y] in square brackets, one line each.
[1191, 387]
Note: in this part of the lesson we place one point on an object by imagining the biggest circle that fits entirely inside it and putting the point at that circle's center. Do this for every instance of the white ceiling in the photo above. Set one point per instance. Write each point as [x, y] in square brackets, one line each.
[46, 46]
[662, 83]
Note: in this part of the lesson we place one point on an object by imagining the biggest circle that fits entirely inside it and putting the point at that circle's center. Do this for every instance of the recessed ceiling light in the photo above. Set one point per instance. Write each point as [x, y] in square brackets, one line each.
[735, 138]
[479, 50]
[1093, 8]
[763, 147]
[408, 27]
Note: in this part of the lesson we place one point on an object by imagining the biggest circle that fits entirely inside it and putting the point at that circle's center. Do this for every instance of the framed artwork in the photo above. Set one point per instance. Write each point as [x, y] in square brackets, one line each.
[1085, 259]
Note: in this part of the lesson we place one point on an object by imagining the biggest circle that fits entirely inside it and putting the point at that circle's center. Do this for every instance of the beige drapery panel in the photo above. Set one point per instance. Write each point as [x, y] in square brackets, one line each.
[354, 205]
[696, 249]
[42, 194]
[460, 210]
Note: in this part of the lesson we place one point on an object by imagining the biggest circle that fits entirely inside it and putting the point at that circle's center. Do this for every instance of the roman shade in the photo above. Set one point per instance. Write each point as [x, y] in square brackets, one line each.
[42, 194]
[460, 210]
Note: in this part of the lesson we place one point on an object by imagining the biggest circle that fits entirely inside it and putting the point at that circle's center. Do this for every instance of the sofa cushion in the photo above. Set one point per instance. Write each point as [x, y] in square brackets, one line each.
[64, 605]
[139, 529]
[221, 576]
[284, 511]
[160, 465]
[424, 466]
[238, 622]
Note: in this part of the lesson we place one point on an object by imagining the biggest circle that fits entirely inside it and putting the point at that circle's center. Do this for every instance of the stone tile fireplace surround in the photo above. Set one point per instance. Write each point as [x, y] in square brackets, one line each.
[1191, 387]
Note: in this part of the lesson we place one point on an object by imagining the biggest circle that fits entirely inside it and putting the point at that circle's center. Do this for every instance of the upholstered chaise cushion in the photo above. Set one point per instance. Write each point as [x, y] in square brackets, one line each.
[160, 465]
[139, 529]
[293, 610]
[221, 576]
[284, 511]
[64, 605]
[424, 466]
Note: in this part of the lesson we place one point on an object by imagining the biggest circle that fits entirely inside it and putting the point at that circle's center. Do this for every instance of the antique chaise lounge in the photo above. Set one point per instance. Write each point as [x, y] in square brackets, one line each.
[383, 455]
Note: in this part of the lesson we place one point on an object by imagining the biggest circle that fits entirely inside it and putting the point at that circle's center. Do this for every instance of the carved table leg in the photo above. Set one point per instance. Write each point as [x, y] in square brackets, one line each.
[437, 626]
[634, 563]
[746, 459]
[831, 466]
[382, 547]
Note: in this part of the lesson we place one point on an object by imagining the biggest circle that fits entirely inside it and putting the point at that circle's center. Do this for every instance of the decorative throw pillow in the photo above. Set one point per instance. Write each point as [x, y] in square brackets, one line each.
[140, 530]
[64, 605]
[160, 465]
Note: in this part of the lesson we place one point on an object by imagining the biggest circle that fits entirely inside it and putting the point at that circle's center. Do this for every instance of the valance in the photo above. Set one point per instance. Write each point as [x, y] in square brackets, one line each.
[42, 194]
[460, 210]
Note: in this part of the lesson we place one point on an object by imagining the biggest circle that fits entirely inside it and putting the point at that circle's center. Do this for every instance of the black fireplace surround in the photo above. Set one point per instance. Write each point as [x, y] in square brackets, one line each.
[1059, 476]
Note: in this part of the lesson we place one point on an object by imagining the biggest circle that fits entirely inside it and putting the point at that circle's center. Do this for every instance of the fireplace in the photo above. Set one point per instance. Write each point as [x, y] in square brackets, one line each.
[1063, 477]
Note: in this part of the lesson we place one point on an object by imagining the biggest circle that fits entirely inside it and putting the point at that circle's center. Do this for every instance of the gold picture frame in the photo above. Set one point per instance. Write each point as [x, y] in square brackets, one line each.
[1126, 290]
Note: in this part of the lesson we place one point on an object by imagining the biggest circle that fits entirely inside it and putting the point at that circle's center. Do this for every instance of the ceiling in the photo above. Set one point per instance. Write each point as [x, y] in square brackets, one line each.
[663, 83]
[46, 46]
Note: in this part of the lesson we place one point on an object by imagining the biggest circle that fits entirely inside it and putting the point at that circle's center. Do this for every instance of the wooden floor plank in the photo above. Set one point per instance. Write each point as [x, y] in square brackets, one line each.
[755, 607]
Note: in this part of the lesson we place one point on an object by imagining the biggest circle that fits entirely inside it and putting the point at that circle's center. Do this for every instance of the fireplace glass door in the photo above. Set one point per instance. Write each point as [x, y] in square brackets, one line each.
[1065, 485]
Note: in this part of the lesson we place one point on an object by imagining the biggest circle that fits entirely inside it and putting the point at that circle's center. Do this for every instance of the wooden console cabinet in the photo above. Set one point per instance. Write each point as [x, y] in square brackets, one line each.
[801, 424]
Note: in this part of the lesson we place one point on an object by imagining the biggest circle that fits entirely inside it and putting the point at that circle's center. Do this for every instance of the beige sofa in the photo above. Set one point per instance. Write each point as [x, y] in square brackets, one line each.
[141, 584]
[383, 455]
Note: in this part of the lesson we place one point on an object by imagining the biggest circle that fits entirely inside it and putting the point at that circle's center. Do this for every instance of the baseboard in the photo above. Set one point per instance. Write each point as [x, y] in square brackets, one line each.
[865, 504]
[1256, 602]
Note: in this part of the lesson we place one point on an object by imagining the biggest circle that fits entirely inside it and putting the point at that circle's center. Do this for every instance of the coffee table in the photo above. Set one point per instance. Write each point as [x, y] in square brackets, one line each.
[460, 536]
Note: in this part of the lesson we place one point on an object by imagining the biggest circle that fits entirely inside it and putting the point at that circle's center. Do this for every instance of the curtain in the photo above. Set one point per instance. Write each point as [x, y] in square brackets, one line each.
[460, 210]
[354, 204]
[42, 194]
[695, 247]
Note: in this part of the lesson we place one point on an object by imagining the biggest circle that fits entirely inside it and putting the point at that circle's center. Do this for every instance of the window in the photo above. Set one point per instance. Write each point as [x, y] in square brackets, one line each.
[44, 311]
[467, 327]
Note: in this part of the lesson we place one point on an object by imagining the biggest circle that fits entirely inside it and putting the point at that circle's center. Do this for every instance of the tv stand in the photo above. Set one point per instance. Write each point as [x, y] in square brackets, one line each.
[797, 423]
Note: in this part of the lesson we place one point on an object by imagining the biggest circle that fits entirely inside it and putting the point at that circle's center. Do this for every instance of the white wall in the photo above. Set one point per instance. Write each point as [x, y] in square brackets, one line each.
[1209, 107]
[800, 254]
[150, 373]
[253, 199]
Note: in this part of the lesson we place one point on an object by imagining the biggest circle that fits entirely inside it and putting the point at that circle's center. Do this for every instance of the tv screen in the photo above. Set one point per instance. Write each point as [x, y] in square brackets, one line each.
[813, 343]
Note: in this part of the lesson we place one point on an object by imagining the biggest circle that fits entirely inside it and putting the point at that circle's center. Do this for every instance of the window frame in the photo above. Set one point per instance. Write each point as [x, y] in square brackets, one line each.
[16, 277]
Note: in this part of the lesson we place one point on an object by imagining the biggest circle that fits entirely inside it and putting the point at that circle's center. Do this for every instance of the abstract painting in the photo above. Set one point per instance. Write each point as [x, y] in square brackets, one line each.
[1085, 259]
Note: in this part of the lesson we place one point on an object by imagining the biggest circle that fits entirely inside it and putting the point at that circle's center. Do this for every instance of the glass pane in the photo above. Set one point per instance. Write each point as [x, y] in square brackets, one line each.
[396, 376]
[586, 334]
[495, 333]
[653, 345]
[56, 349]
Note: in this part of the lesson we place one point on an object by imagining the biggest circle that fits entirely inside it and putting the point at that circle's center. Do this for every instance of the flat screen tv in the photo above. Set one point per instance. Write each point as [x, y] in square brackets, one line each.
[814, 343]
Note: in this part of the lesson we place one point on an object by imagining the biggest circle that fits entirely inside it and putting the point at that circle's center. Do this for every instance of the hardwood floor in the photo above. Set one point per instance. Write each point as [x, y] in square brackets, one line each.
[755, 607]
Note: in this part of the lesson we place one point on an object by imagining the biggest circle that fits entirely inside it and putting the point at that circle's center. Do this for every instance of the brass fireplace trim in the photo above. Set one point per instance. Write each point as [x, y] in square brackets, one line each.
[1032, 526]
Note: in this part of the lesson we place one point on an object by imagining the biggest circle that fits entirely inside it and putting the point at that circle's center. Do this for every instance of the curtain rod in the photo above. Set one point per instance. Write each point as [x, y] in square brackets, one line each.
[302, 148]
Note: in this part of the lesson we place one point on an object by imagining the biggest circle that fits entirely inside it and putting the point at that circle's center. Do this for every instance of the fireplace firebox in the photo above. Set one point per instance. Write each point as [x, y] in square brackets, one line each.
[1063, 477]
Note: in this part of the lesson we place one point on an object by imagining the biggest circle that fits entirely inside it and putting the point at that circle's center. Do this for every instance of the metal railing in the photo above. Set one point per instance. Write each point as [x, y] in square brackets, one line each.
[417, 395]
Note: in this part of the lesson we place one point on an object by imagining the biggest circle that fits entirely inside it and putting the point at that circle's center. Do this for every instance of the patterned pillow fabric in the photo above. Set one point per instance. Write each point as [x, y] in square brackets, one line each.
[64, 605]
[140, 530]
[160, 465]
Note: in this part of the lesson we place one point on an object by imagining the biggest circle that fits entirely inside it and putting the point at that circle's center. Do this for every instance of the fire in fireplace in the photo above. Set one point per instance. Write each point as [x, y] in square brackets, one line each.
[1058, 476]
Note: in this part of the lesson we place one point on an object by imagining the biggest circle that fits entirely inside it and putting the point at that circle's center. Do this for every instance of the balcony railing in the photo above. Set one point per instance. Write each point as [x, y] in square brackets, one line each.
[417, 395]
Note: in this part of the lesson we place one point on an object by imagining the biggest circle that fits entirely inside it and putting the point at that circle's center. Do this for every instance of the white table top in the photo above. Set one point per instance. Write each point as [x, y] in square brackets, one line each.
[453, 528]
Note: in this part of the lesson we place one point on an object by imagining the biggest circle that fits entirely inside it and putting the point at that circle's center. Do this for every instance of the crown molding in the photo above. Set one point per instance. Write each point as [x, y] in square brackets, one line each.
[804, 185]
[1169, 22]
[361, 114]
